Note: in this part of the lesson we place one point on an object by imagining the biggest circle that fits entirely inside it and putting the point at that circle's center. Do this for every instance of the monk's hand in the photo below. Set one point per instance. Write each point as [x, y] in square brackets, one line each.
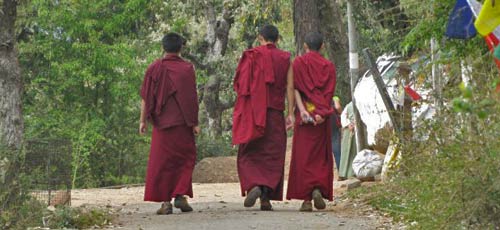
[289, 121]
[196, 130]
[306, 118]
[319, 119]
[143, 127]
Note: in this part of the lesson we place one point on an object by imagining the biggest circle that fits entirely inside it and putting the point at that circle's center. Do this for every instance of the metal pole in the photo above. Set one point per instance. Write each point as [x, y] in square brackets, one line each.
[354, 74]
[436, 78]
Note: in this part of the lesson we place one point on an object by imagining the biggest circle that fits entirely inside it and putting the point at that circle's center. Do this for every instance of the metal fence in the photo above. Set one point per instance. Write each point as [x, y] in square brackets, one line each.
[48, 167]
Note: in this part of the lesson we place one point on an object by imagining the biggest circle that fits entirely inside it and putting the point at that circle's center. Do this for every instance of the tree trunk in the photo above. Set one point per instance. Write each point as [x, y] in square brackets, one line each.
[11, 120]
[217, 38]
[324, 16]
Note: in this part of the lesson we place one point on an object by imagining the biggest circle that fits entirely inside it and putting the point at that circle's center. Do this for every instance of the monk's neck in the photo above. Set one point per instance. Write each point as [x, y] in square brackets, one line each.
[171, 54]
[312, 51]
[267, 43]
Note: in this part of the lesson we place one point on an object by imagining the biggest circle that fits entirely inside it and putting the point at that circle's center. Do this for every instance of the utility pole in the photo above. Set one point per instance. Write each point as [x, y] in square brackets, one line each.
[354, 74]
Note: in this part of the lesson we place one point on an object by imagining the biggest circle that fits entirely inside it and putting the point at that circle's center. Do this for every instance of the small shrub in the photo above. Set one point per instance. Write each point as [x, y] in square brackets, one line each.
[214, 147]
[451, 180]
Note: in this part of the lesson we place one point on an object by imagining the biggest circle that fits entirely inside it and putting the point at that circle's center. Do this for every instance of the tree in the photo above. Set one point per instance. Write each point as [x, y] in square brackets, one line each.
[83, 67]
[325, 16]
[11, 120]
[217, 38]
[213, 57]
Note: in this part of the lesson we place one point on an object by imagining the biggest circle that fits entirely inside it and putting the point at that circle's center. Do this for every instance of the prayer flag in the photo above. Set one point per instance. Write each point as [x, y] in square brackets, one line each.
[461, 22]
[489, 17]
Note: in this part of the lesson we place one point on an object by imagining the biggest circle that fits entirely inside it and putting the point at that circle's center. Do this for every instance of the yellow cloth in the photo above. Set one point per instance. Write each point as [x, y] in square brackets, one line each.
[310, 107]
[489, 17]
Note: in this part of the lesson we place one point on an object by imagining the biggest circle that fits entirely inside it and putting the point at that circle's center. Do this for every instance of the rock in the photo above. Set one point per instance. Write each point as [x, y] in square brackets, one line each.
[51, 208]
[348, 184]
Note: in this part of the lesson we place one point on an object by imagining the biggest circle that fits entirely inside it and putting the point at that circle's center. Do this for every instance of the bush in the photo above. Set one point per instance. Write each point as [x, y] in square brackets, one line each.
[19, 210]
[214, 147]
[451, 180]
[32, 213]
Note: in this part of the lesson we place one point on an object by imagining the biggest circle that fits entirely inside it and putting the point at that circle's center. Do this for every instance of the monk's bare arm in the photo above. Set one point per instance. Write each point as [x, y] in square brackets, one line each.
[143, 126]
[290, 91]
[299, 102]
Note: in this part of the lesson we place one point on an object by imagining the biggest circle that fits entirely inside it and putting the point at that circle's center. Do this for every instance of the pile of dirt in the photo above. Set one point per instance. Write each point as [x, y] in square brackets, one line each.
[223, 169]
[216, 170]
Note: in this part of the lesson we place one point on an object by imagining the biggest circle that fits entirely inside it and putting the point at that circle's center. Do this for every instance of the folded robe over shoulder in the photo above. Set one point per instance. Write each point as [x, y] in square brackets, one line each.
[254, 73]
[261, 82]
[315, 79]
[170, 84]
[169, 91]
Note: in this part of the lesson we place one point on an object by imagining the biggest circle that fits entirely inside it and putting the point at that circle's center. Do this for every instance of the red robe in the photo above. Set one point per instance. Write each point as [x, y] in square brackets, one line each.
[312, 161]
[169, 92]
[258, 120]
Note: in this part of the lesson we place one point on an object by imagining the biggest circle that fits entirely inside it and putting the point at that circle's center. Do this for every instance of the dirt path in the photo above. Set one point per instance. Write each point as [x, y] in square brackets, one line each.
[219, 206]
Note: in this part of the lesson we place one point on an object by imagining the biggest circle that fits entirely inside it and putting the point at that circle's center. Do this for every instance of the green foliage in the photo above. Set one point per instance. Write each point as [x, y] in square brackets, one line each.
[84, 62]
[9, 162]
[450, 179]
[28, 213]
[448, 176]
[31, 213]
[83, 67]
[214, 147]
[79, 218]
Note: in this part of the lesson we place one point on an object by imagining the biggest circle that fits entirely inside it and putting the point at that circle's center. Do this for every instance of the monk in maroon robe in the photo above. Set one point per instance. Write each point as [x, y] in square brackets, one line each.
[170, 104]
[311, 167]
[262, 80]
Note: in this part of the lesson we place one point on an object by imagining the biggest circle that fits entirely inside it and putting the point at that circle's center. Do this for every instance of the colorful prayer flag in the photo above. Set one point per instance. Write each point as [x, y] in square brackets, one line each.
[412, 93]
[461, 22]
[492, 38]
[496, 53]
[489, 17]
[492, 41]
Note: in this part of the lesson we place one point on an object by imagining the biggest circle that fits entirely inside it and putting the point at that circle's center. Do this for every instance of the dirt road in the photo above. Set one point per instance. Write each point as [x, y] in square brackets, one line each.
[219, 207]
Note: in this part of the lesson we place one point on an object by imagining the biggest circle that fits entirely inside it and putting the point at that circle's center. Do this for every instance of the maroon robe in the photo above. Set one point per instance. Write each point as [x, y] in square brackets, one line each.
[312, 161]
[258, 120]
[169, 92]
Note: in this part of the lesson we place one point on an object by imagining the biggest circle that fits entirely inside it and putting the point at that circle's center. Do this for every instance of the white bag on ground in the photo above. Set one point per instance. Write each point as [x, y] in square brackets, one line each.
[367, 163]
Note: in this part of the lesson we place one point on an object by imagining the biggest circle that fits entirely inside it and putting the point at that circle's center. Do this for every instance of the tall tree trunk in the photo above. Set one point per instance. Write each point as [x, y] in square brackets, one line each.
[324, 16]
[11, 120]
[217, 37]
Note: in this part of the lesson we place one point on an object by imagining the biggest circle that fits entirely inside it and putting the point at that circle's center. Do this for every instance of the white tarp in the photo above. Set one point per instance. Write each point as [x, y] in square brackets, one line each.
[369, 102]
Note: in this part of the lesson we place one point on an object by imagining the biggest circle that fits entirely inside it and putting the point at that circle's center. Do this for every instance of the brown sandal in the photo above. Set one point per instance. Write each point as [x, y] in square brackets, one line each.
[319, 203]
[166, 209]
[182, 203]
[306, 206]
[252, 196]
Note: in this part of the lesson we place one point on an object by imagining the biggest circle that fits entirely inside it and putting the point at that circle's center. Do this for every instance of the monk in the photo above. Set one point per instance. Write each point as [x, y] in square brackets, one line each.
[311, 167]
[170, 104]
[262, 80]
